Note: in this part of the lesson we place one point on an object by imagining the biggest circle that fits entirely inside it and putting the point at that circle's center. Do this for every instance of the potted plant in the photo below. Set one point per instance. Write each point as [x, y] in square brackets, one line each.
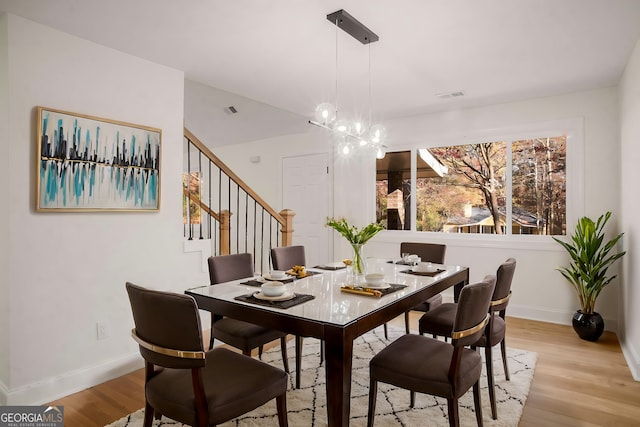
[591, 257]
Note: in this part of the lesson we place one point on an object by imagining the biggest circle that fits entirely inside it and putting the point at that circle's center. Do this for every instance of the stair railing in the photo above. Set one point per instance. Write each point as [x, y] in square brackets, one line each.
[220, 206]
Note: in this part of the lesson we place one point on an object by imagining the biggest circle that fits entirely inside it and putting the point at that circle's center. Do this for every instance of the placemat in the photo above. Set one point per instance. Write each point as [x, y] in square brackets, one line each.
[423, 273]
[298, 299]
[253, 282]
[326, 267]
[310, 273]
[392, 288]
[289, 279]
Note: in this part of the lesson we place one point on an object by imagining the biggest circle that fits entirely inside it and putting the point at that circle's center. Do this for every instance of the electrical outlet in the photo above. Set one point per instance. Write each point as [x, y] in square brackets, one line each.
[102, 330]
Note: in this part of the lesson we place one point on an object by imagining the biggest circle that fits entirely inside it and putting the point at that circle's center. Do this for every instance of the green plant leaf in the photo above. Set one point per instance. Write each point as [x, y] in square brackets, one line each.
[589, 259]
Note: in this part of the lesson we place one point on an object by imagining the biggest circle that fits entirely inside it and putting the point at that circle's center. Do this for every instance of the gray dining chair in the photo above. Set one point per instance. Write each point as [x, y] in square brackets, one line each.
[428, 252]
[439, 322]
[426, 365]
[284, 258]
[242, 335]
[182, 380]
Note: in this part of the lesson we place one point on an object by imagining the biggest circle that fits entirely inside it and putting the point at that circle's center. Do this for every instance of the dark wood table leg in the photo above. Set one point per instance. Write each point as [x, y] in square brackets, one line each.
[338, 360]
[298, 359]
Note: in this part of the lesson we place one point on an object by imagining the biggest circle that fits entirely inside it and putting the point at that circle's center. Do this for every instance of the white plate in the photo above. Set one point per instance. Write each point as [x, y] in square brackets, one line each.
[334, 264]
[268, 277]
[284, 297]
[378, 286]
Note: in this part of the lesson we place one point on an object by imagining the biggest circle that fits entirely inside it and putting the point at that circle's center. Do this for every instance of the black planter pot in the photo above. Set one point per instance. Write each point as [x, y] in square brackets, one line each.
[588, 326]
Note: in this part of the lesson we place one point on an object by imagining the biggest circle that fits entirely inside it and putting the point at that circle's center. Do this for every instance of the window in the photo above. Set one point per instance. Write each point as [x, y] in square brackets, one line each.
[493, 187]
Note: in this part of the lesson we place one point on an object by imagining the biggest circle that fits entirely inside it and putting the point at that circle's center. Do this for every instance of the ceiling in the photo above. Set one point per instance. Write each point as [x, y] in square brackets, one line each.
[282, 53]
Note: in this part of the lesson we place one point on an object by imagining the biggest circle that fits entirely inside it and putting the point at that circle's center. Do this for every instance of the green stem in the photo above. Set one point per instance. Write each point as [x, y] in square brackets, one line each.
[358, 262]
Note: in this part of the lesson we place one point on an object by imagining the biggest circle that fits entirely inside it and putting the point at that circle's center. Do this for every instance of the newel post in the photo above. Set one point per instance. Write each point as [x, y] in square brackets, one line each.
[225, 227]
[287, 229]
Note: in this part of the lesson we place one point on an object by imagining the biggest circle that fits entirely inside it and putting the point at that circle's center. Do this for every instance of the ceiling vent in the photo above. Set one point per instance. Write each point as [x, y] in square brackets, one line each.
[444, 95]
[230, 109]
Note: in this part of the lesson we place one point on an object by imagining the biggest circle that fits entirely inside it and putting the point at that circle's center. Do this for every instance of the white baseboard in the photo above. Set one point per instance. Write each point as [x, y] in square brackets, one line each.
[54, 388]
[559, 317]
[633, 360]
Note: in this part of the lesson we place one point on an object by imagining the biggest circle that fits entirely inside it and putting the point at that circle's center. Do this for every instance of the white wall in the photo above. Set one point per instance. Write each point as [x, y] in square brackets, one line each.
[266, 177]
[68, 270]
[540, 292]
[4, 213]
[629, 178]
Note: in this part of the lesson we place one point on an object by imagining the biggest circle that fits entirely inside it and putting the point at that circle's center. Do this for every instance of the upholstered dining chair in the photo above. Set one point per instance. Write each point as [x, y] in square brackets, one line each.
[182, 380]
[242, 335]
[426, 365]
[428, 252]
[439, 322]
[284, 258]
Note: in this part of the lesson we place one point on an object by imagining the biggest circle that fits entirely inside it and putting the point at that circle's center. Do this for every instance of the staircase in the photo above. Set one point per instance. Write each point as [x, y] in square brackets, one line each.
[221, 208]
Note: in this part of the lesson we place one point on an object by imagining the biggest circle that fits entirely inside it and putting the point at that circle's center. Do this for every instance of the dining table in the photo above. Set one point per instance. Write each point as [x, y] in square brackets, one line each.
[323, 309]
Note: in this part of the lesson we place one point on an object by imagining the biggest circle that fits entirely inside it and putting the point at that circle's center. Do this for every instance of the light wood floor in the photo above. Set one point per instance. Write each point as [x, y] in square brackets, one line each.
[576, 383]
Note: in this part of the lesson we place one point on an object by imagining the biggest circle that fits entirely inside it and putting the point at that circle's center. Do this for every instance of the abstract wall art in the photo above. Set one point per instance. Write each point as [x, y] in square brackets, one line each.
[88, 163]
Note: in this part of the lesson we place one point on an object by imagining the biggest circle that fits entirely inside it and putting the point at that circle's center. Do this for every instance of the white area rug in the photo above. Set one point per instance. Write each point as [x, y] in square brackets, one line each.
[307, 406]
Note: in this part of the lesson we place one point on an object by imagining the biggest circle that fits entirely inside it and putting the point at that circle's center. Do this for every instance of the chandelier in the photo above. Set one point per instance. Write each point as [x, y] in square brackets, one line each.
[352, 136]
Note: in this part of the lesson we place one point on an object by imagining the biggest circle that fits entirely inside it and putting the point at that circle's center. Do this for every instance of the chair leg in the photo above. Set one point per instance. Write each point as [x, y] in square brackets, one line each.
[211, 334]
[476, 402]
[386, 332]
[373, 394]
[285, 358]
[454, 418]
[406, 321]
[148, 415]
[503, 350]
[260, 352]
[412, 399]
[492, 392]
[281, 404]
[298, 359]
[321, 351]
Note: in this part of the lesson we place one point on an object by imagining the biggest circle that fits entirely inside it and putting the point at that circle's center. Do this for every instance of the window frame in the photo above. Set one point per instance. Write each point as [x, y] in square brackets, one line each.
[573, 128]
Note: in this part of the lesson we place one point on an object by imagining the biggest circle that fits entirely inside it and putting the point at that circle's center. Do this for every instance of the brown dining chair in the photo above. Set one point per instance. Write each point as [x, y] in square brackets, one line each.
[439, 322]
[182, 380]
[428, 252]
[426, 365]
[242, 335]
[284, 258]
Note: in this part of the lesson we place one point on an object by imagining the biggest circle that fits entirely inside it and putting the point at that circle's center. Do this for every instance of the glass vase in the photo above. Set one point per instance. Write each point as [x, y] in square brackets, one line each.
[358, 259]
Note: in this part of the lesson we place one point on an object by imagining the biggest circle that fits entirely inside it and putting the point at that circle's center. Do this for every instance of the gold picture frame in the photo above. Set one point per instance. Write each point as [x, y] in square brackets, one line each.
[87, 163]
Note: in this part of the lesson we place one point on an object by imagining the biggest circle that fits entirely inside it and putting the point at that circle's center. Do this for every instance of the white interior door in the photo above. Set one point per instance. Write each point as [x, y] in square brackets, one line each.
[306, 189]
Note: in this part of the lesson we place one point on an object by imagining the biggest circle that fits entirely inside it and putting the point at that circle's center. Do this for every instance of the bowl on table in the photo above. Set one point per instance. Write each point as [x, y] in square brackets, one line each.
[374, 278]
[272, 289]
[277, 275]
[413, 259]
[425, 267]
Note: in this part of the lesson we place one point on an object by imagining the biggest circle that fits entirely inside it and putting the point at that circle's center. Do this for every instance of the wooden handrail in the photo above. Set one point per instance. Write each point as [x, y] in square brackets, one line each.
[224, 168]
[195, 199]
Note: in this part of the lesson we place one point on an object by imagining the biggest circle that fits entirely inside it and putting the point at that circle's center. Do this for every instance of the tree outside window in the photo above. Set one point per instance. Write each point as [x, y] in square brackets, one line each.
[470, 191]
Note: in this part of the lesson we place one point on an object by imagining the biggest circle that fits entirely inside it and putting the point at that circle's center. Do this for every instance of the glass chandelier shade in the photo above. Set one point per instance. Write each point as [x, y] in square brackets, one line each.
[351, 136]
